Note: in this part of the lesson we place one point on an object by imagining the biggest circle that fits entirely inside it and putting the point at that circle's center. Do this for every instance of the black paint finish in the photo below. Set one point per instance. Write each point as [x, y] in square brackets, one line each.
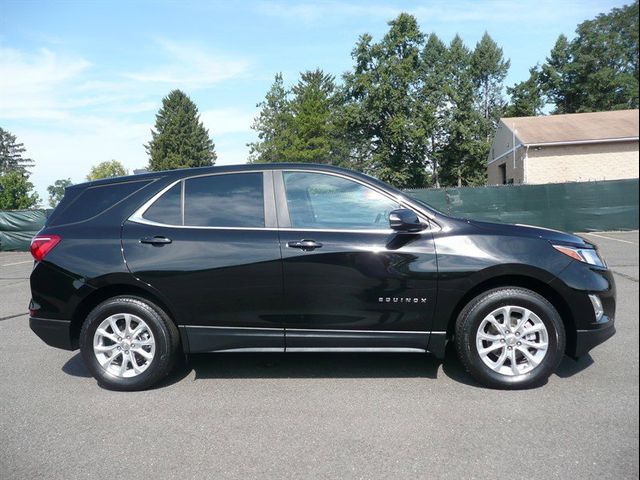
[275, 287]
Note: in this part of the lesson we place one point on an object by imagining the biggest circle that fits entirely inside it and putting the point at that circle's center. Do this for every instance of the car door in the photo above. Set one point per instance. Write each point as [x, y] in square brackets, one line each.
[208, 245]
[349, 280]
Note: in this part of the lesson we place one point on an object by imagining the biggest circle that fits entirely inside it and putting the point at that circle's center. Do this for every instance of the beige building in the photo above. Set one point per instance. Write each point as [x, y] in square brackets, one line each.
[577, 147]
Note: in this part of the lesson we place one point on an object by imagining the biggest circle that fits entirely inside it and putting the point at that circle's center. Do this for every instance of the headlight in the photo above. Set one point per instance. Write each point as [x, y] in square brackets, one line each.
[585, 255]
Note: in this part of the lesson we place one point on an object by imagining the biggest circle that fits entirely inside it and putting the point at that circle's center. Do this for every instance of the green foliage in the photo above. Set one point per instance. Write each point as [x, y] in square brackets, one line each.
[489, 69]
[527, 99]
[180, 139]
[11, 151]
[414, 111]
[383, 111]
[56, 191]
[300, 124]
[598, 70]
[314, 115]
[108, 169]
[16, 192]
[464, 155]
[273, 125]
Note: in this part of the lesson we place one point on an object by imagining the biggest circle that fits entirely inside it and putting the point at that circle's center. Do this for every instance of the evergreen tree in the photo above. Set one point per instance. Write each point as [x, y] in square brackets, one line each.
[180, 139]
[56, 191]
[527, 99]
[11, 152]
[464, 155]
[383, 107]
[434, 102]
[16, 191]
[108, 169]
[314, 135]
[489, 70]
[273, 125]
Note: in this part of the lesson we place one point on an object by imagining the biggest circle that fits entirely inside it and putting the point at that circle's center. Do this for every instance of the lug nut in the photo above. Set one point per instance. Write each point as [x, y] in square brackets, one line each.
[509, 348]
[519, 344]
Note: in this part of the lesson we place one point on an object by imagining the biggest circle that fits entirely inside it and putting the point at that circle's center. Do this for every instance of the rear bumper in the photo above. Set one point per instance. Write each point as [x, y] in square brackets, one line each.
[56, 333]
[588, 339]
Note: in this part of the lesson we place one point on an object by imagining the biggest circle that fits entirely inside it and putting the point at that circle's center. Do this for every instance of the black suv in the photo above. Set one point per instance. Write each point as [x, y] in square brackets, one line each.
[304, 258]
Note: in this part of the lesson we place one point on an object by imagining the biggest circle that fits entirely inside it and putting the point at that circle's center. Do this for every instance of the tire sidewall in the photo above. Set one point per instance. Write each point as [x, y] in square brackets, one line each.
[153, 320]
[521, 298]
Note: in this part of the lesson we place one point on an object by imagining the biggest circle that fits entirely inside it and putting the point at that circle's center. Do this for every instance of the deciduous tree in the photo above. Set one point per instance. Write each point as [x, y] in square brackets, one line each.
[56, 191]
[16, 191]
[108, 169]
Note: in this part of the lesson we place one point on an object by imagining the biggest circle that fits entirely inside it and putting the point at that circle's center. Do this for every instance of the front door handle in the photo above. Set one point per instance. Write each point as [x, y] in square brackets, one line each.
[157, 240]
[306, 245]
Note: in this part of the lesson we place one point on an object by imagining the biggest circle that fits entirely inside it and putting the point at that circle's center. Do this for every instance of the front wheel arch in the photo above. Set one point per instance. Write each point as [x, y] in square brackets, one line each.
[530, 283]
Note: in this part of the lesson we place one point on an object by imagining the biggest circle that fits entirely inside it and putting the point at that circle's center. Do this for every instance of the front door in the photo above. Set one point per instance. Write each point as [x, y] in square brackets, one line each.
[349, 281]
[209, 246]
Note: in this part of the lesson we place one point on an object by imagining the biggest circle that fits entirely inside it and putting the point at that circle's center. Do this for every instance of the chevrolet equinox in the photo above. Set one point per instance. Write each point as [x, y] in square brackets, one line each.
[136, 271]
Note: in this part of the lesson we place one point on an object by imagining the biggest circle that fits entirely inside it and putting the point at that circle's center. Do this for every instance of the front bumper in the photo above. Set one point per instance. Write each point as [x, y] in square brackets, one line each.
[56, 333]
[588, 339]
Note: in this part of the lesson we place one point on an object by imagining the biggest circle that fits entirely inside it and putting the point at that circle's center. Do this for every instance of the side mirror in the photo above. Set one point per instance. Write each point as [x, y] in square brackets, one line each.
[405, 220]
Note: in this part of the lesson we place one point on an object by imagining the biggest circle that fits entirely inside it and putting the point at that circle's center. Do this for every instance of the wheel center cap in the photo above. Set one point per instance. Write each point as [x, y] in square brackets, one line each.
[511, 340]
[126, 344]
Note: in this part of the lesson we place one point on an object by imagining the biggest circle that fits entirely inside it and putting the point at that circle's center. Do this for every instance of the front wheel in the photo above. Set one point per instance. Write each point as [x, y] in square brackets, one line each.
[510, 338]
[128, 343]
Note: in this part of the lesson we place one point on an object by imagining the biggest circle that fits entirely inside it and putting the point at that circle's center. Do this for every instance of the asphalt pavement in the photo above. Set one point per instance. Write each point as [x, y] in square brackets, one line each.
[318, 415]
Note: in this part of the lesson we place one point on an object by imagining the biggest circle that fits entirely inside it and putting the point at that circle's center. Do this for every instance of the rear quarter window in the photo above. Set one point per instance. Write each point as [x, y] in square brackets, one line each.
[78, 206]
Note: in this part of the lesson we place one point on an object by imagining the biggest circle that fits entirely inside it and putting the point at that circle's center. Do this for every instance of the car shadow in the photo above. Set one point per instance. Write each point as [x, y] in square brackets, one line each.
[570, 367]
[322, 365]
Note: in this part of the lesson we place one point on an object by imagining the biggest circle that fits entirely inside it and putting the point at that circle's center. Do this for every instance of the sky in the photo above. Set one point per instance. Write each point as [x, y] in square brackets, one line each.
[81, 81]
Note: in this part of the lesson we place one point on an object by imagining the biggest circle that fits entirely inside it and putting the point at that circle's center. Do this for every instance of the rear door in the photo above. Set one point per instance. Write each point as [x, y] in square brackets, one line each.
[349, 280]
[209, 246]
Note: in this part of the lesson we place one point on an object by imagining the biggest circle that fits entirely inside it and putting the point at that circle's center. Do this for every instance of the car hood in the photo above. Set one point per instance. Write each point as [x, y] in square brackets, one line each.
[553, 236]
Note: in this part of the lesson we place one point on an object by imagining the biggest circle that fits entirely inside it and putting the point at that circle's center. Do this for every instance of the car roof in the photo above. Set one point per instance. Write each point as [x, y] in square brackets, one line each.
[246, 167]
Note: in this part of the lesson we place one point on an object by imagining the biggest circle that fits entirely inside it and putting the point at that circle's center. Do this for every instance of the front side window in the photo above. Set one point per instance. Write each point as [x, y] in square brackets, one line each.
[321, 201]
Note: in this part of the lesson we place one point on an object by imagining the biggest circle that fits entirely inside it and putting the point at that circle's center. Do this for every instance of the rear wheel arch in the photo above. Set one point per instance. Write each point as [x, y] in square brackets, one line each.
[101, 294]
[522, 281]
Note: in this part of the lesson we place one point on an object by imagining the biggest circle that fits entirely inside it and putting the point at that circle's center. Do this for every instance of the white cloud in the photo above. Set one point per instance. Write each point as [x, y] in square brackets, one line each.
[192, 67]
[31, 85]
[227, 120]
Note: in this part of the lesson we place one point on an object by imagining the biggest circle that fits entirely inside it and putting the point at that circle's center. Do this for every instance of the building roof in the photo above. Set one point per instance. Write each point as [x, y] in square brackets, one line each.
[594, 127]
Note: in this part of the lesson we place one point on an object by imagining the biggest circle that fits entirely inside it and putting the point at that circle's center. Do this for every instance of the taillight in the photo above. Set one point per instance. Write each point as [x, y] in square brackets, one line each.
[41, 245]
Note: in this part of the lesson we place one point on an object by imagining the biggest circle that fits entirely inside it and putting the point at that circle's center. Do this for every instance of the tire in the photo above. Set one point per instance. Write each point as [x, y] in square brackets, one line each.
[105, 352]
[484, 318]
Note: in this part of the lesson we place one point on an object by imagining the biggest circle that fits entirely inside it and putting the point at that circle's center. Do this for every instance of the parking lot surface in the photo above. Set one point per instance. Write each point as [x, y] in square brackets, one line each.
[318, 415]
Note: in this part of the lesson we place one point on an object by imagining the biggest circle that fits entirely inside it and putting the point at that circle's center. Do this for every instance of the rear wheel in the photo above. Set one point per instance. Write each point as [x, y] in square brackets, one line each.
[128, 343]
[510, 338]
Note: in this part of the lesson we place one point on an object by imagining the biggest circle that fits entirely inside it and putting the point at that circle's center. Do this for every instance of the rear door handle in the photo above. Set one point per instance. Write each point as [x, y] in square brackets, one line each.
[306, 245]
[156, 240]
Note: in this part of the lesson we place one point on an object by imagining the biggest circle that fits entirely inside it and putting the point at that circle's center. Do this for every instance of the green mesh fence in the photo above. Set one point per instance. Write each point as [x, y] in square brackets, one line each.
[573, 207]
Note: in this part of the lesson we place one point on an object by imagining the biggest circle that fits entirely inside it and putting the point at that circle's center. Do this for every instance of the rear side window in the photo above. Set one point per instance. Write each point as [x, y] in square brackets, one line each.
[168, 208]
[229, 200]
[92, 201]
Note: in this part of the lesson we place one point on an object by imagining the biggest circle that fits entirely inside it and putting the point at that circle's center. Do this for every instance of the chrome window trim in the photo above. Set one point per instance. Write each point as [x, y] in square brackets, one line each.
[137, 216]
